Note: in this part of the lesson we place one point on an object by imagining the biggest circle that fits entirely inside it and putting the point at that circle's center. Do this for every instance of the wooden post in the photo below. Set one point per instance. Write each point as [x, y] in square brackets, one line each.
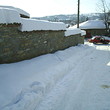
[78, 13]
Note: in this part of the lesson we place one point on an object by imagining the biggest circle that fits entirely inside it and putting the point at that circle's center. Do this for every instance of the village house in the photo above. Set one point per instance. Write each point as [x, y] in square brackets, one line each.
[92, 28]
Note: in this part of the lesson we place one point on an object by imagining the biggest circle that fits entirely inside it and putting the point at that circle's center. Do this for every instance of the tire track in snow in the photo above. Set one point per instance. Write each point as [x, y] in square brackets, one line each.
[58, 93]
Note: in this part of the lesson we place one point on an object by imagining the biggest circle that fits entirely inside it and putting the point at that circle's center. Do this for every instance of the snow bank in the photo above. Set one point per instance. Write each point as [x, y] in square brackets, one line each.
[20, 11]
[33, 24]
[9, 16]
[74, 31]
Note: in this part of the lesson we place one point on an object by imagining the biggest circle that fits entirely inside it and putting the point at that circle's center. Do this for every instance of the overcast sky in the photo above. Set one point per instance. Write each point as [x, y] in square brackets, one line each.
[39, 8]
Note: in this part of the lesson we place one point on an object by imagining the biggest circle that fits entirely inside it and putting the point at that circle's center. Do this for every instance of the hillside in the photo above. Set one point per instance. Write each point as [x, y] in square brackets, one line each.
[71, 18]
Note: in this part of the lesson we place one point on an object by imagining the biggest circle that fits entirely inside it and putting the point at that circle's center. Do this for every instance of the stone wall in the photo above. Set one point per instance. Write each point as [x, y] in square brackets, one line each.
[16, 45]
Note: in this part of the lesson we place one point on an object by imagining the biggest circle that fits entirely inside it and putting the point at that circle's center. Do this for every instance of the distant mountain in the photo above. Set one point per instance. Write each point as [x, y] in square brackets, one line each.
[70, 18]
[60, 17]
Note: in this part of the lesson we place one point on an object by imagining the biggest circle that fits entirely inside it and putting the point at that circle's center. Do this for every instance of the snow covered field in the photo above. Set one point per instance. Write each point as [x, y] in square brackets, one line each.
[77, 78]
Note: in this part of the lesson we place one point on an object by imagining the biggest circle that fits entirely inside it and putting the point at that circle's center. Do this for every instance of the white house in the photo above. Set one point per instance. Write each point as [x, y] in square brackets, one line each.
[93, 27]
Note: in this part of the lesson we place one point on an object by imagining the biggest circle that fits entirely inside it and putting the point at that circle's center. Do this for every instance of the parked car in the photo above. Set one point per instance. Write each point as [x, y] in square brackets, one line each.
[99, 39]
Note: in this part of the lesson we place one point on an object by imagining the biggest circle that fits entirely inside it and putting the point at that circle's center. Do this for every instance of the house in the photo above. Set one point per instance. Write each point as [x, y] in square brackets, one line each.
[93, 27]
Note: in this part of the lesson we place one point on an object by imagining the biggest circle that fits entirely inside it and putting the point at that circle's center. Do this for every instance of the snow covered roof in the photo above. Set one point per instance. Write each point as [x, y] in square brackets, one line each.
[9, 16]
[33, 24]
[74, 31]
[12, 16]
[92, 24]
[20, 11]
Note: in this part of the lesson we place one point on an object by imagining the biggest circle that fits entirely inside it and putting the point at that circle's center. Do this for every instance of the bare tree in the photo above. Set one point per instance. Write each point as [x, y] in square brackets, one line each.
[103, 7]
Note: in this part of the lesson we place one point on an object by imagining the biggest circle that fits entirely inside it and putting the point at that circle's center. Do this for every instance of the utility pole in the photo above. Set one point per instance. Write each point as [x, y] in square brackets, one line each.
[78, 13]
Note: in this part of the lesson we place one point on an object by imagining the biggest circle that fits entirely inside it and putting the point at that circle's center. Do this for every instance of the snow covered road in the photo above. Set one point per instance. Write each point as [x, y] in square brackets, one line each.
[86, 87]
[77, 78]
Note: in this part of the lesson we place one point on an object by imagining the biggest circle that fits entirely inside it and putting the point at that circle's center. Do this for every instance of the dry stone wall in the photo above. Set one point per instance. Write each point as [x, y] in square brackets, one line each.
[17, 46]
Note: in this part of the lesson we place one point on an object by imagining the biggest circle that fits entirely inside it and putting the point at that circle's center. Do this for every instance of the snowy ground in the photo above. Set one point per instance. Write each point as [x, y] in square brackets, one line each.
[77, 78]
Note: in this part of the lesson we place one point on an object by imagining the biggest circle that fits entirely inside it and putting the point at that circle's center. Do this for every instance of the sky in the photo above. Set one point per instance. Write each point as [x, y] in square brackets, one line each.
[39, 8]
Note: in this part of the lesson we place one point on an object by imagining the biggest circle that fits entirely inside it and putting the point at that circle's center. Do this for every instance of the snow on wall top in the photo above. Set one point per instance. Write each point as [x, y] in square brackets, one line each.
[74, 31]
[83, 32]
[9, 16]
[33, 24]
[20, 11]
[92, 24]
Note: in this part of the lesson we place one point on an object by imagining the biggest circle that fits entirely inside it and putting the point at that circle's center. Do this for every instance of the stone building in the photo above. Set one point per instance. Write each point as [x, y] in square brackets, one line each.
[25, 38]
[93, 28]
